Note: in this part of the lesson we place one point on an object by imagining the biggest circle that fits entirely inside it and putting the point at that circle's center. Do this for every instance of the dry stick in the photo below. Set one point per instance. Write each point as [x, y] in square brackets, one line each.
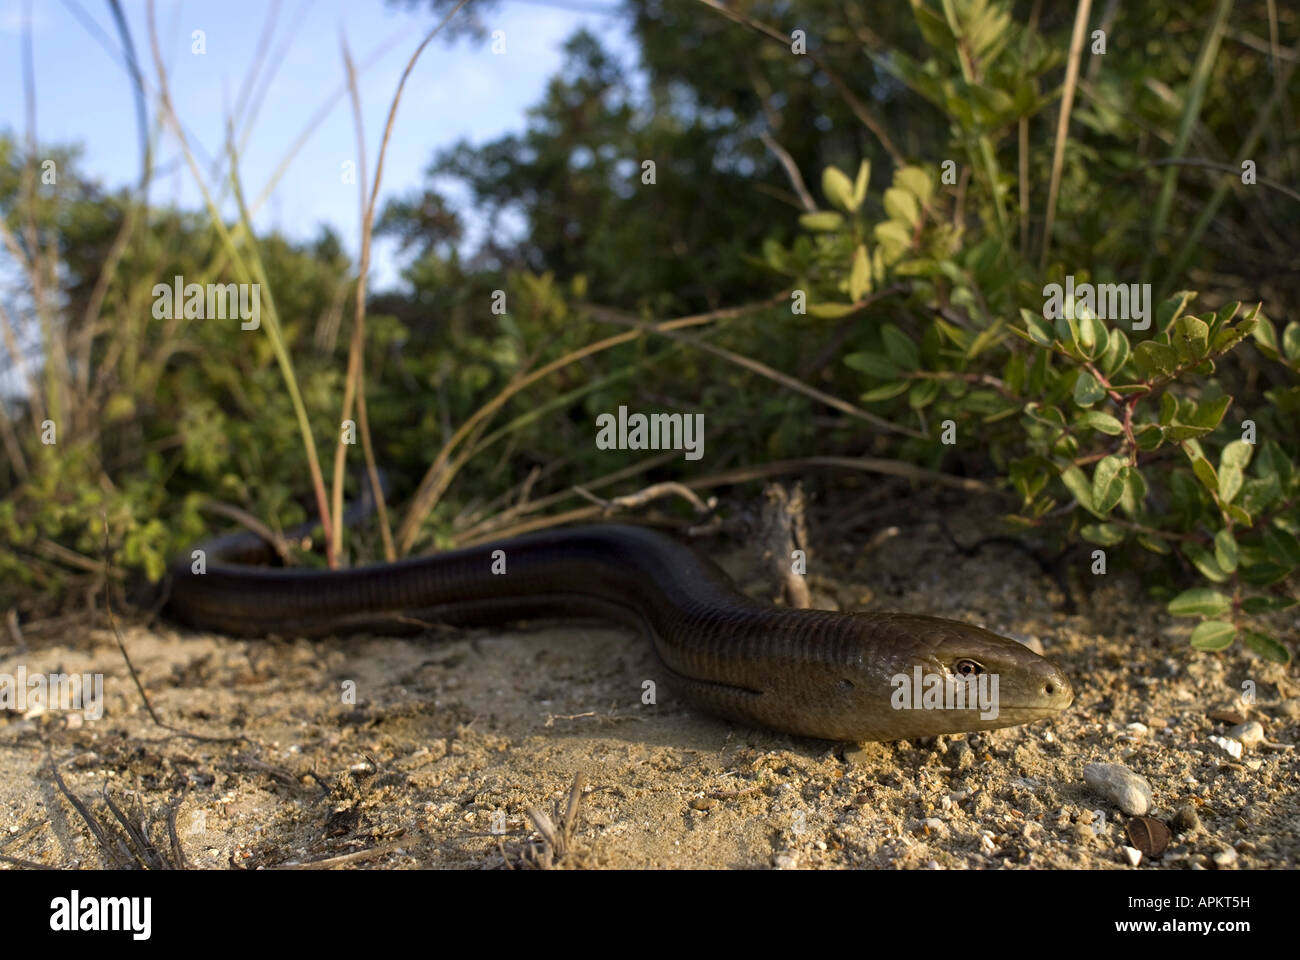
[356, 343]
[55, 360]
[245, 518]
[859, 109]
[342, 859]
[1244, 151]
[1022, 130]
[617, 316]
[1263, 46]
[12, 448]
[56, 551]
[95, 827]
[1063, 122]
[791, 171]
[137, 843]
[135, 677]
[437, 477]
[90, 319]
[243, 271]
[356, 351]
[278, 59]
[642, 497]
[895, 468]
[250, 77]
[1225, 168]
[178, 852]
[34, 401]
[525, 506]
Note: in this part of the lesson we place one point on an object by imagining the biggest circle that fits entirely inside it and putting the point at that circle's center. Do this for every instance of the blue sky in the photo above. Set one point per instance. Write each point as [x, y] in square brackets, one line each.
[83, 94]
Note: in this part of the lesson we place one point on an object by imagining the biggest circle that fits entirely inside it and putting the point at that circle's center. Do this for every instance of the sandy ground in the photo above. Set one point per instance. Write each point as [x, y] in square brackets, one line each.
[452, 738]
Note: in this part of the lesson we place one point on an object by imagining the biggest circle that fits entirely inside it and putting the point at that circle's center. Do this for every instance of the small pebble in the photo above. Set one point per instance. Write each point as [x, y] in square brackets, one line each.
[1128, 791]
[1231, 747]
[703, 803]
[1186, 819]
[1084, 834]
[1225, 859]
[1137, 729]
[1226, 715]
[1134, 856]
[1249, 733]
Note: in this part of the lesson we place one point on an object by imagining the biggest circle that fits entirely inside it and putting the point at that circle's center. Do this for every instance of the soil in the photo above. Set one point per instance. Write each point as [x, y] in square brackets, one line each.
[451, 739]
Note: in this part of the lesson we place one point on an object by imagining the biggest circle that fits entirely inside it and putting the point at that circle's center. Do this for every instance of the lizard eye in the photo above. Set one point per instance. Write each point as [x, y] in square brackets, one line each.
[967, 668]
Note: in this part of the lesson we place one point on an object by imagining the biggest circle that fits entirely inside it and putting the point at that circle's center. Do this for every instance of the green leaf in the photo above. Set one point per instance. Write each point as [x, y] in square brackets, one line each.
[831, 311]
[1135, 491]
[1213, 635]
[886, 392]
[1148, 436]
[860, 184]
[1266, 339]
[1103, 534]
[900, 347]
[1230, 472]
[1191, 338]
[901, 206]
[1266, 574]
[1153, 359]
[923, 393]
[1266, 646]
[1091, 332]
[1087, 390]
[1178, 432]
[1238, 515]
[1291, 341]
[1107, 484]
[1225, 550]
[1171, 309]
[1272, 460]
[1204, 561]
[1154, 544]
[917, 181]
[1116, 353]
[1282, 546]
[838, 188]
[892, 240]
[1255, 605]
[1237, 454]
[873, 364]
[1080, 488]
[824, 221]
[1200, 601]
[1096, 420]
[1168, 408]
[1210, 412]
[1039, 330]
[860, 275]
[1205, 473]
